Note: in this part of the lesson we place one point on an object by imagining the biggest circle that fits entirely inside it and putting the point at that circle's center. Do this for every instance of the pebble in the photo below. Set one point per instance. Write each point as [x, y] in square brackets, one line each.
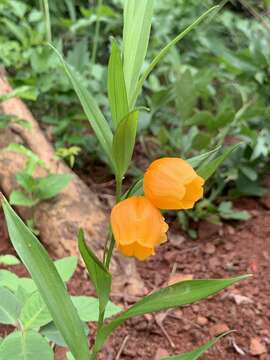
[257, 347]
[161, 353]
[219, 329]
[209, 249]
[202, 321]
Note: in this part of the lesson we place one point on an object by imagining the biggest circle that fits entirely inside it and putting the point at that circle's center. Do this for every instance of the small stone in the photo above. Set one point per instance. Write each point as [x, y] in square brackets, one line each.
[214, 262]
[202, 321]
[231, 230]
[161, 353]
[209, 249]
[229, 246]
[257, 347]
[195, 308]
[219, 329]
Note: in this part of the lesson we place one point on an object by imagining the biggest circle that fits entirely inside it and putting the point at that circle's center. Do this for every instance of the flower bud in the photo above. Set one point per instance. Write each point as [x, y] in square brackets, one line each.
[172, 184]
[137, 227]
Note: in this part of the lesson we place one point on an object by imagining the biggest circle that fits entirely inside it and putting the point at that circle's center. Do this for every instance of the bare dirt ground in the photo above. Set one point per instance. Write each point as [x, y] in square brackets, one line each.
[230, 249]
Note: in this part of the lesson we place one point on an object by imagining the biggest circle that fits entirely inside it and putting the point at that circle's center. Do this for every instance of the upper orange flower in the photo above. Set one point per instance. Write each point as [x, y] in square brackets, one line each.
[137, 227]
[172, 184]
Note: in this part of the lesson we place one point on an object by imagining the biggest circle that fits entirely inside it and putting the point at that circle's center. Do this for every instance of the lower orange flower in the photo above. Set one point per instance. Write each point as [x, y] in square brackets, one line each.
[137, 227]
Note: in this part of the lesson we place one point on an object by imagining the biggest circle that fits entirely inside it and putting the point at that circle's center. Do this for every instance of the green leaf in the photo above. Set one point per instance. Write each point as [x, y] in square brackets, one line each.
[21, 149]
[197, 160]
[25, 346]
[137, 26]
[194, 355]
[51, 185]
[9, 280]
[52, 334]
[48, 282]
[9, 260]
[227, 212]
[164, 52]
[183, 293]
[116, 86]
[208, 168]
[34, 313]
[124, 141]
[91, 109]
[66, 267]
[88, 308]
[98, 274]
[25, 92]
[26, 181]
[9, 307]
[19, 198]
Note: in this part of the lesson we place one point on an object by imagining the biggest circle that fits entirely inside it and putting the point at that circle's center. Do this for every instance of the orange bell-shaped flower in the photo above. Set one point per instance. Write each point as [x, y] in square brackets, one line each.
[172, 184]
[137, 227]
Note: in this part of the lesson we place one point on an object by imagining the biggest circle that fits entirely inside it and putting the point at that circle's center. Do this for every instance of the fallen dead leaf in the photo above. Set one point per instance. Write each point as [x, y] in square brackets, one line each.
[178, 277]
[240, 299]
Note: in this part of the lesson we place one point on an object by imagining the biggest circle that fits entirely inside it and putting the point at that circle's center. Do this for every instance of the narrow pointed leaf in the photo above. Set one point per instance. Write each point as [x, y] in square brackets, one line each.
[124, 141]
[91, 109]
[116, 86]
[197, 160]
[195, 354]
[48, 282]
[98, 274]
[165, 51]
[208, 168]
[137, 26]
[183, 293]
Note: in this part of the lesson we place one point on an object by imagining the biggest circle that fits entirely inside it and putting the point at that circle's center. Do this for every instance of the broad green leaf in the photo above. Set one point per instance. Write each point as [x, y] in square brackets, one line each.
[183, 293]
[137, 26]
[116, 86]
[48, 282]
[52, 185]
[98, 274]
[19, 198]
[226, 211]
[27, 284]
[91, 109]
[9, 307]
[164, 52]
[26, 181]
[208, 168]
[195, 354]
[123, 142]
[9, 260]
[34, 313]
[70, 356]
[52, 334]
[197, 160]
[9, 280]
[25, 346]
[66, 267]
[88, 308]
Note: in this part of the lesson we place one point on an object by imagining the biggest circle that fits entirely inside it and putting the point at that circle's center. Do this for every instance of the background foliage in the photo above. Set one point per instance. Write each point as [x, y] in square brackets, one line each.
[211, 89]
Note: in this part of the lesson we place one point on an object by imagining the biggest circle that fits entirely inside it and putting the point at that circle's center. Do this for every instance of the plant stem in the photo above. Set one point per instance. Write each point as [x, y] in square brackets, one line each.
[107, 259]
[47, 20]
[97, 28]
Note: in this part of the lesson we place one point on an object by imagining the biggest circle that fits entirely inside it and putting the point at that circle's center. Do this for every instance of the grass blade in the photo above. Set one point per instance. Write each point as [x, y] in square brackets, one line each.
[165, 51]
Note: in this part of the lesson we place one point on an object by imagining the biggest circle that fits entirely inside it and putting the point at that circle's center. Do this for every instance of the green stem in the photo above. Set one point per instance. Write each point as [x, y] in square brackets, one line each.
[47, 20]
[107, 259]
[97, 28]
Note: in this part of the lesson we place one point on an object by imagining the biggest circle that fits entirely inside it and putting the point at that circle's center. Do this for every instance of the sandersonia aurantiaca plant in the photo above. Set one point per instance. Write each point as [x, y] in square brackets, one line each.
[137, 226]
